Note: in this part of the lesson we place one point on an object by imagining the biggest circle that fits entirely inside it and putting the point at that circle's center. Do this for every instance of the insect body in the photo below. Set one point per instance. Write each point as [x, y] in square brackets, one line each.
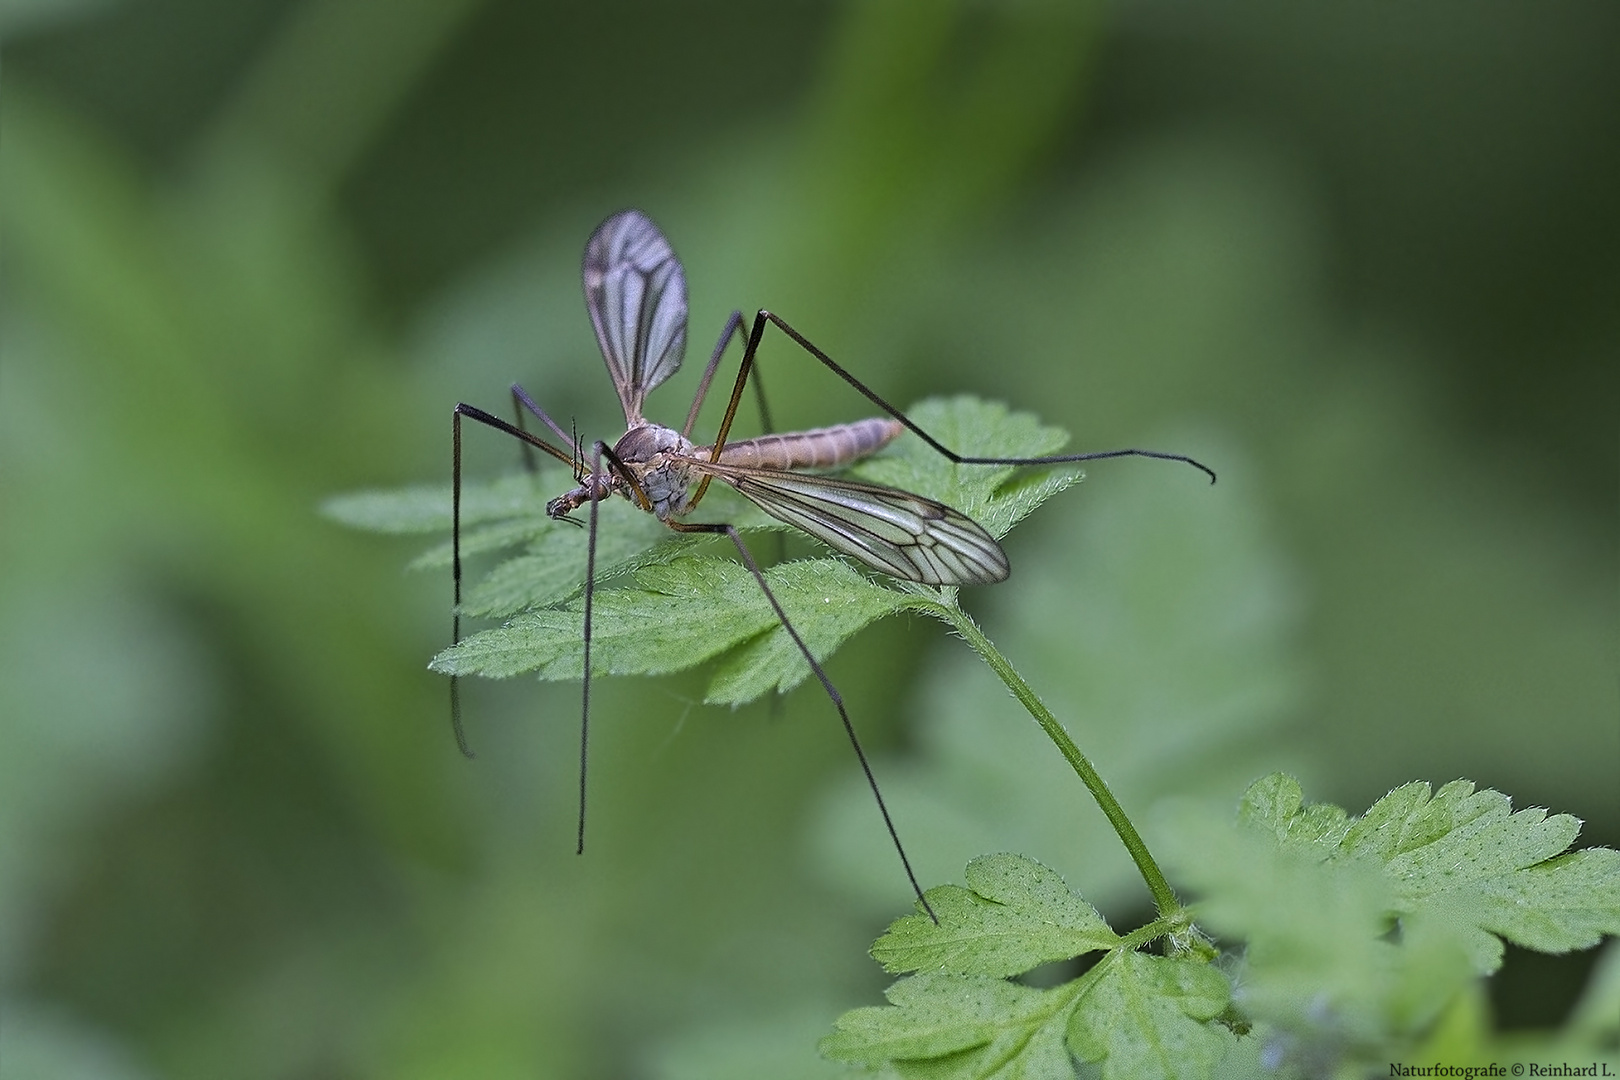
[660, 461]
[635, 292]
[894, 531]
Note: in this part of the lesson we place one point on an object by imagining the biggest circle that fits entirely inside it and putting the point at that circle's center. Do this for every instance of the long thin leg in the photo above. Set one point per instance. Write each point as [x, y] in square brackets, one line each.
[590, 600]
[759, 396]
[733, 327]
[520, 397]
[528, 440]
[455, 574]
[599, 450]
[826, 684]
[764, 317]
[530, 465]
[780, 553]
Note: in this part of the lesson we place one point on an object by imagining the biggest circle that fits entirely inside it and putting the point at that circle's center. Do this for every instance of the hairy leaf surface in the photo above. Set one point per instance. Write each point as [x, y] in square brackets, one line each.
[1014, 915]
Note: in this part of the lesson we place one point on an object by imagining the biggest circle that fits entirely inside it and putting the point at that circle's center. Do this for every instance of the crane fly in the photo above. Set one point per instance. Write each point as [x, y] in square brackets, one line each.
[635, 293]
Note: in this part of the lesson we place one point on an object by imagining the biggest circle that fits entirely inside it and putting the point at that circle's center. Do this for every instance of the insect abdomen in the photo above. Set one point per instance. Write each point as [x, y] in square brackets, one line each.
[820, 448]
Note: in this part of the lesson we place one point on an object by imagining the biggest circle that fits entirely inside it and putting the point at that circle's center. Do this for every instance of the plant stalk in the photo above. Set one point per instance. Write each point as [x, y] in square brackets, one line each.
[1164, 898]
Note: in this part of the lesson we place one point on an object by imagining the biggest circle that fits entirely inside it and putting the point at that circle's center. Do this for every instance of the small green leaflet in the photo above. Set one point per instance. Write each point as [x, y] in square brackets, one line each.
[947, 1026]
[1014, 915]
[1133, 1014]
[1152, 1016]
[666, 602]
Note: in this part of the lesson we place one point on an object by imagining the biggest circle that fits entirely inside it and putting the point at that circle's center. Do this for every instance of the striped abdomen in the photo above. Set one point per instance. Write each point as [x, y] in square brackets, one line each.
[820, 448]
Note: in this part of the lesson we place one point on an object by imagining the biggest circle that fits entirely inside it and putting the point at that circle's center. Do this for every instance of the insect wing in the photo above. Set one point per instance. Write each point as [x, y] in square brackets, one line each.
[893, 531]
[635, 292]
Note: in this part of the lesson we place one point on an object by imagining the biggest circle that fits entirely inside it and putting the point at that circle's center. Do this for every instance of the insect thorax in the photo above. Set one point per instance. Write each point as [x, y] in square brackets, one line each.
[655, 456]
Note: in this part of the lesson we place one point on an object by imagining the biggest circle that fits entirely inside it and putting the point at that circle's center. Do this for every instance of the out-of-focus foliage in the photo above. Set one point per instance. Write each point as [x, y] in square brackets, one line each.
[254, 252]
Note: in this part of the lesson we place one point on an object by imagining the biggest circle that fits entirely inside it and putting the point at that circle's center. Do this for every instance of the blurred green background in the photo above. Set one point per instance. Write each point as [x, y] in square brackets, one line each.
[1361, 259]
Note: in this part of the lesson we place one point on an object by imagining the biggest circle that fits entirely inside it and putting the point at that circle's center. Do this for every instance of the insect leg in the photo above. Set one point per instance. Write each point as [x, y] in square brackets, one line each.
[521, 400]
[733, 327]
[590, 598]
[759, 396]
[826, 684]
[743, 371]
[530, 466]
[764, 317]
[598, 451]
[528, 440]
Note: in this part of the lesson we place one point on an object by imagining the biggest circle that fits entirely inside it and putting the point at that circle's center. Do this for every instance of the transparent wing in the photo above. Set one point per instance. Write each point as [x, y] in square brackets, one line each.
[893, 531]
[635, 291]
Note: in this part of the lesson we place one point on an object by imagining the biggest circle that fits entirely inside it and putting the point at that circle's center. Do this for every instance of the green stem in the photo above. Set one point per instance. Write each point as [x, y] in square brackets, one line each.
[1164, 898]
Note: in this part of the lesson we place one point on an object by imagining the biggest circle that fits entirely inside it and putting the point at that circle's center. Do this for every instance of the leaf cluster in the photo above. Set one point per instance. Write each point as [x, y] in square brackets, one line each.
[1133, 1013]
[1360, 933]
[1349, 941]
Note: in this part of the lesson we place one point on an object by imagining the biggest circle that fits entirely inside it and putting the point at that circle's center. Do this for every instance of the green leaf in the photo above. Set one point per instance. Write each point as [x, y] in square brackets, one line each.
[1133, 1014]
[680, 608]
[975, 428]
[1465, 859]
[959, 1026]
[553, 568]
[1015, 915]
[674, 617]
[682, 613]
[1316, 957]
[1276, 803]
[1359, 932]
[828, 602]
[495, 536]
[1150, 1016]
